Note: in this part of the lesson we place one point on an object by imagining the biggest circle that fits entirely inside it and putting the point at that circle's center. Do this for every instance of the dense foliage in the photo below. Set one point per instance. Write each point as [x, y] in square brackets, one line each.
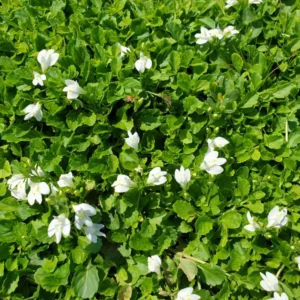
[243, 88]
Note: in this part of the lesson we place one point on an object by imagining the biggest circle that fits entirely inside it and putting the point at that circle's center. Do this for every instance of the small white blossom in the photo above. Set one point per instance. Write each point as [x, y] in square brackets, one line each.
[143, 63]
[124, 50]
[212, 163]
[37, 171]
[277, 218]
[17, 186]
[37, 189]
[66, 180]
[187, 294]
[204, 36]
[230, 31]
[123, 184]
[73, 89]
[93, 232]
[255, 1]
[83, 212]
[59, 226]
[252, 226]
[38, 78]
[15, 180]
[283, 296]
[269, 282]
[154, 264]
[19, 191]
[297, 260]
[157, 176]
[183, 176]
[230, 3]
[132, 140]
[217, 142]
[216, 32]
[33, 110]
[47, 58]
[53, 189]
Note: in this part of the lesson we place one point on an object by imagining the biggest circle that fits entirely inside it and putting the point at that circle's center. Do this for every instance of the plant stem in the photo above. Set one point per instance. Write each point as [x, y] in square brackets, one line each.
[279, 271]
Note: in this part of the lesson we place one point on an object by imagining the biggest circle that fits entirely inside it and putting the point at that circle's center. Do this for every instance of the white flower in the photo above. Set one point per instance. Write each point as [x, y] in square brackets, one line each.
[297, 260]
[94, 231]
[252, 226]
[269, 282]
[17, 186]
[230, 31]
[38, 78]
[15, 180]
[278, 297]
[124, 50]
[47, 58]
[212, 164]
[65, 180]
[19, 191]
[59, 226]
[143, 63]
[216, 32]
[73, 89]
[203, 37]
[230, 3]
[187, 294]
[157, 176]
[33, 110]
[154, 263]
[183, 176]
[277, 218]
[37, 171]
[255, 1]
[218, 142]
[54, 189]
[37, 189]
[132, 140]
[123, 184]
[83, 212]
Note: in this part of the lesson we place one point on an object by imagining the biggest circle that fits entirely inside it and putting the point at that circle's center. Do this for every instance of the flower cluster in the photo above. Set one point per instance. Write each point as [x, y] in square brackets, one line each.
[207, 35]
[18, 185]
[270, 283]
[212, 163]
[276, 218]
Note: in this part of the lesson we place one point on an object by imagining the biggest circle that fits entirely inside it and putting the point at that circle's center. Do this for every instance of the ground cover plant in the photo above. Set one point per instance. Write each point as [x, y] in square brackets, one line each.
[149, 149]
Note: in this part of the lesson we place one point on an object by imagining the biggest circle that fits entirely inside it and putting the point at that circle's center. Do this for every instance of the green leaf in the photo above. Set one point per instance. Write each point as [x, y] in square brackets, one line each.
[129, 159]
[139, 242]
[237, 61]
[85, 281]
[284, 90]
[232, 219]
[5, 170]
[52, 281]
[203, 225]
[189, 268]
[250, 100]
[184, 81]
[214, 275]
[174, 60]
[192, 104]
[274, 140]
[184, 210]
